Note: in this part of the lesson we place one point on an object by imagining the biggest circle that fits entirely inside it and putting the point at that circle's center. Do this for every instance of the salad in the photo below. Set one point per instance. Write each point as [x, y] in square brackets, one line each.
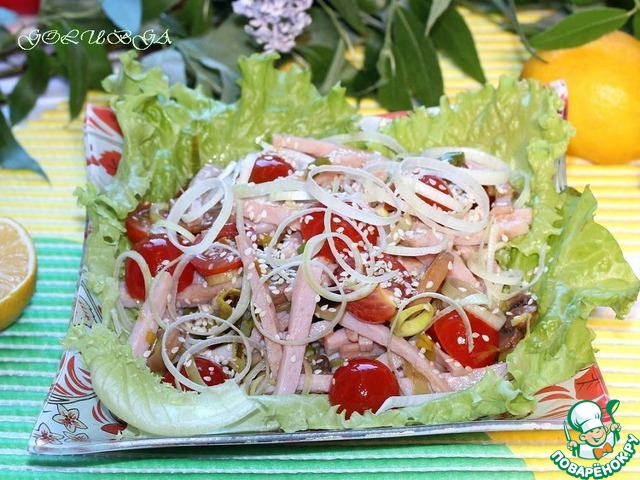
[281, 263]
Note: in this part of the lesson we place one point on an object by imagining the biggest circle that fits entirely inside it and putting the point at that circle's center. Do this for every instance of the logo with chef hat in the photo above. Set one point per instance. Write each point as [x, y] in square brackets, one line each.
[596, 439]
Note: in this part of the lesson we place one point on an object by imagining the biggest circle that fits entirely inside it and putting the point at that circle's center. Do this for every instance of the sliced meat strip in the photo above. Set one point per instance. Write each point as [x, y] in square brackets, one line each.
[262, 301]
[515, 223]
[146, 327]
[268, 212]
[310, 146]
[380, 334]
[303, 306]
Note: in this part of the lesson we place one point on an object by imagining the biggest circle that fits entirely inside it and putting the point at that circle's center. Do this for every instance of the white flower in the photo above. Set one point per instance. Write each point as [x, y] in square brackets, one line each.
[275, 24]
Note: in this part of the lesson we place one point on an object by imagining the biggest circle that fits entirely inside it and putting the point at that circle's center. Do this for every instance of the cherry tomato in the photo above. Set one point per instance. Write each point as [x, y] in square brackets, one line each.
[380, 305]
[229, 231]
[211, 373]
[313, 224]
[268, 167]
[215, 261]
[138, 223]
[439, 184]
[156, 249]
[362, 384]
[449, 331]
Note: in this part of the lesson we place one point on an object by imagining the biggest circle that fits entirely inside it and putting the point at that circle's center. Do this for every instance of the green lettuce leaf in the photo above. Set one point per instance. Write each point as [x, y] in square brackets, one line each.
[134, 394]
[490, 397]
[586, 269]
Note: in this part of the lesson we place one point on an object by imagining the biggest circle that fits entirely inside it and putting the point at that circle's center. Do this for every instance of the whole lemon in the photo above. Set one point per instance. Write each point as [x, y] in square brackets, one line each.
[603, 82]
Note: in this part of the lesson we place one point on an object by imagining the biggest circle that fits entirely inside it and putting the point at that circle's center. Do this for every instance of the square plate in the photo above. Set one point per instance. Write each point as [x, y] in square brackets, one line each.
[74, 421]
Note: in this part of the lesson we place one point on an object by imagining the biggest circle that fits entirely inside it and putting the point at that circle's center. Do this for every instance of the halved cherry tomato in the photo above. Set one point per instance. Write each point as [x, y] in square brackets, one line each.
[313, 224]
[138, 223]
[211, 373]
[362, 384]
[380, 305]
[439, 184]
[229, 231]
[215, 261]
[449, 331]
[156, 249]
[268, 167]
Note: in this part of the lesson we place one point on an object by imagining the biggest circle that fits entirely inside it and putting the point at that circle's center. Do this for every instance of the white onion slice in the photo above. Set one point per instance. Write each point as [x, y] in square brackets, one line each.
[327, 198]
[176, 227]
[495, 172]
[445, 222]
[406, 251]
[508, 277]
[248, 190]
[224, 193]
[493, 320]
[368, 137]
[290, 195]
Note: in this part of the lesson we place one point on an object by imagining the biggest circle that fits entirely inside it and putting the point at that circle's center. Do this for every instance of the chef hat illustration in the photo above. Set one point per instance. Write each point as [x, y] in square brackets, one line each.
[585, 415]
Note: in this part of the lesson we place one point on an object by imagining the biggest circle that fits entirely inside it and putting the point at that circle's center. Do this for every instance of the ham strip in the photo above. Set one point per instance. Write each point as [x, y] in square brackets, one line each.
[146, 327]
[268, 212]
[459, 271]
[303, 305]
[380, 334]
[320, 383]
[310, 146]
[262, 302]
[448, 363]
[473, 376]
[199, 293]
[515, 223]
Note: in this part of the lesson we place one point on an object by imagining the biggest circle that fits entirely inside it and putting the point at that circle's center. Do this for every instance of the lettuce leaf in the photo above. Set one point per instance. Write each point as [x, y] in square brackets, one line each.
[586, 269]
[490, 397]
[134, 394]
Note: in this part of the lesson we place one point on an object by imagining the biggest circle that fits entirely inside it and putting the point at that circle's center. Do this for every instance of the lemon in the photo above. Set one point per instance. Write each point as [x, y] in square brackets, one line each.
[18, 267]
[603, 82]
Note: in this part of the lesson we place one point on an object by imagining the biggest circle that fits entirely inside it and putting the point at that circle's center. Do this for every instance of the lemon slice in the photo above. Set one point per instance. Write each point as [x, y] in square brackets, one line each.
[18, 267]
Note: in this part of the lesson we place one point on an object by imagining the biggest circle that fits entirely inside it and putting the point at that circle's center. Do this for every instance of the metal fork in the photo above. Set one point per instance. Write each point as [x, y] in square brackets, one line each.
[560, 177]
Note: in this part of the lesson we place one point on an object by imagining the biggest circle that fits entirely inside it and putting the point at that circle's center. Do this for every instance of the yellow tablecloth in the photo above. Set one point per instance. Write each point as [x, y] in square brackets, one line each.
[27, 366]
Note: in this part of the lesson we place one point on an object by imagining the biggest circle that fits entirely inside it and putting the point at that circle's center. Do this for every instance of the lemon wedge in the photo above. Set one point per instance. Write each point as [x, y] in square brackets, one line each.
[18, 267]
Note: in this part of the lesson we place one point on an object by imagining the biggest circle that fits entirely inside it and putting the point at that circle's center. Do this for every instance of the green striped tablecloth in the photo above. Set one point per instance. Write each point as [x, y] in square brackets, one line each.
[30, 349]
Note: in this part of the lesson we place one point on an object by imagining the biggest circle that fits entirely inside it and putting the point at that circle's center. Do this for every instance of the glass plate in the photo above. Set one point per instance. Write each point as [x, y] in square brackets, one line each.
[74, 421]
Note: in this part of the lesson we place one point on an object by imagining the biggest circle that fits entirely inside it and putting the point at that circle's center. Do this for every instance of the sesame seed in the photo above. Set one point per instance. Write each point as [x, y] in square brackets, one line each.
[485, 338]
[293, 359]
